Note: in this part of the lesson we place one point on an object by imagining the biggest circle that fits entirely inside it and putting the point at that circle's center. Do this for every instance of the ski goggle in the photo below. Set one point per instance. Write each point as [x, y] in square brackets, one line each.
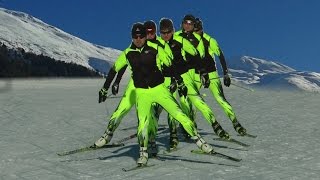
[151, 31]
[188, 22]
[136, 36]
[165, 32]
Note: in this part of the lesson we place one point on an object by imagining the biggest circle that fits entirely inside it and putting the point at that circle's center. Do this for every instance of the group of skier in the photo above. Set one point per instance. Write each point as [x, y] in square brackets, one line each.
[167, 72]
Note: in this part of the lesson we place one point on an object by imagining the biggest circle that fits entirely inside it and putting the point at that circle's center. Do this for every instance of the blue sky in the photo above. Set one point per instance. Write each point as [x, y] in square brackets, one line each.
[287, 31]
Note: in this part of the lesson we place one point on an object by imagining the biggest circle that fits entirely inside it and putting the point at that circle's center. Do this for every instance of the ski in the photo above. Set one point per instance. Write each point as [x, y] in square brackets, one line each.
[170, 150]
[217, 154]
[89, 148]
[137, 168]
[226, 147]
[161, 129]
[126, 139]
[157, 158]
[248, 135]
[232, 141]
[171, 157]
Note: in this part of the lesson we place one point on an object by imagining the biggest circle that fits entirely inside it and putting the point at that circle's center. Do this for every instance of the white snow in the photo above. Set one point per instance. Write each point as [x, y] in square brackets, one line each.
[264, 73]
[41, 117]
[20, 30]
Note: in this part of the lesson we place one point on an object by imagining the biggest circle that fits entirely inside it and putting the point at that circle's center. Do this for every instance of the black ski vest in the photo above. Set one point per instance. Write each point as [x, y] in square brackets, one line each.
[145, 72]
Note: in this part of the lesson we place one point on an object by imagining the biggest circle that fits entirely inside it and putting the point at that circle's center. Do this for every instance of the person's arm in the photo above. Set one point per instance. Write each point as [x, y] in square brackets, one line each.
[187, 46]
[115, 85]
[120, 62]
[214, 49]
[223, 62]
[162, 57]
[200, 47]
[165, 47]
[226, 77]
[120, 74]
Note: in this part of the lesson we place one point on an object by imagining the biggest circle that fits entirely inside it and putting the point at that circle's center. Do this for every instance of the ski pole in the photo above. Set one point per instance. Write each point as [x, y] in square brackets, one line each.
[245, 88]
[202, 95]
[114, 96]
[111, 97]
[162, 129]
[209, 79]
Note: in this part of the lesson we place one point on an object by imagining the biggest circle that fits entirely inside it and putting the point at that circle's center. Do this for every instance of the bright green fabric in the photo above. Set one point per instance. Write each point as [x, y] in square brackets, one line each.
[213, 45]
[124, 106]
[217, 92]
[195, 97]
[162, 57]
[161, 95]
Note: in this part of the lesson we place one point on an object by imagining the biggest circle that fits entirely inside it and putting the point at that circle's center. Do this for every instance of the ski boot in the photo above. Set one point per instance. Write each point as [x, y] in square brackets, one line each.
[241, 130]
[219, 131]
[185, 134]
[104, 139]
[173, 142]
[143, 159]
[153, 149]
[202, 144]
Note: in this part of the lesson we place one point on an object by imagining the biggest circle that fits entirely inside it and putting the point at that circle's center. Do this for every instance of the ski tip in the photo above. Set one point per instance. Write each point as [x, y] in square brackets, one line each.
[248, 135]
[237, 160]
[245, 145]
[196, 150]
[137, 167]
[117, 144]
[168, 151]
[123, 169]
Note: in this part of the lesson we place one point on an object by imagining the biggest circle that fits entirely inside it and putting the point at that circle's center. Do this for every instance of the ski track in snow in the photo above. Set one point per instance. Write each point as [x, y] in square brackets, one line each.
[41, 117]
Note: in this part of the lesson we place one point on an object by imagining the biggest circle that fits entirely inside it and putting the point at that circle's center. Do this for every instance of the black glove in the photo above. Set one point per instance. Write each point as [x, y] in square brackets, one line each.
[173, 86]
[115, 88]
[103, 93]
[226, 80]
[205, 81]
[182, 89]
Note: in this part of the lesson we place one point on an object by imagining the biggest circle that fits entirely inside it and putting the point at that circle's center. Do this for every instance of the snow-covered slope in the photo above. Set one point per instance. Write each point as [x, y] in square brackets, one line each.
[33, 131]
[263, 73]
[20, 30]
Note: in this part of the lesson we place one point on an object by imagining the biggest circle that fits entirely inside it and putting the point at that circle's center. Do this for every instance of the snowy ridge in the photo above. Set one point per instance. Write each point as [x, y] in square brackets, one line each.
[20, 30]
[263, 73]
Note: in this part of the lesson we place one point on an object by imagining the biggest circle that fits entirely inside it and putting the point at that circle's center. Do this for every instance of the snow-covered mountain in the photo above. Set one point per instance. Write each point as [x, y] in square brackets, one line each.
[263, 73]
[20, 30]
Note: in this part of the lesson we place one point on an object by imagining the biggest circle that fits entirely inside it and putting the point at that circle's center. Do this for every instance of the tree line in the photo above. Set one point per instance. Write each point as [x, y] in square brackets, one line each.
[18, 63]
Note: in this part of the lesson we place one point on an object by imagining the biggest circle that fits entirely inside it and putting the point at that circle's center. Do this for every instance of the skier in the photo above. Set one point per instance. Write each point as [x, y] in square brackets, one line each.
[176, 73]
[208, 75]
[151, 30]
[127, 101]
[193, 90]
[145, 60]
[124, 106]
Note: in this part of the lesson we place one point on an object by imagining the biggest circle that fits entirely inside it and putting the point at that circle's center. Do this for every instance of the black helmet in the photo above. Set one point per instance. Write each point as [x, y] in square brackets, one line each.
[138, 29]
[198, 24]
[166, 24]
[150, 26]
[189, 17]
